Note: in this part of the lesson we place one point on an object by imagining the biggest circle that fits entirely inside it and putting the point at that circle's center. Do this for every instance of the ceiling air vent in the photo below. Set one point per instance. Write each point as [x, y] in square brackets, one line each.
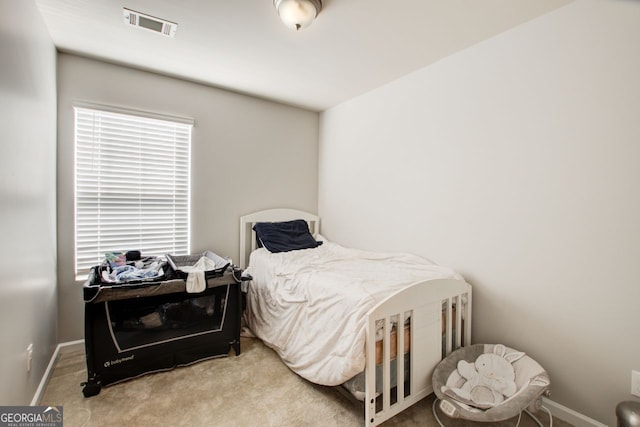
[151, 23]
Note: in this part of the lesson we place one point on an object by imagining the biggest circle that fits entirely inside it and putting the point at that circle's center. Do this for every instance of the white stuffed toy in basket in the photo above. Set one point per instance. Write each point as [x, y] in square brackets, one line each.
[489, 383]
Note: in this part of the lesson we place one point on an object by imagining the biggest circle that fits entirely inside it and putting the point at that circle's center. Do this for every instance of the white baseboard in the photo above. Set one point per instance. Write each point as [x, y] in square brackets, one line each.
[569, 415]
[60, 349]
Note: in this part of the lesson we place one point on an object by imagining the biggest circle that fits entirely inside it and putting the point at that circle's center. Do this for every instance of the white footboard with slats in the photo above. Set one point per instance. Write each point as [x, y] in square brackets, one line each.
[438, 313]
[433, 334]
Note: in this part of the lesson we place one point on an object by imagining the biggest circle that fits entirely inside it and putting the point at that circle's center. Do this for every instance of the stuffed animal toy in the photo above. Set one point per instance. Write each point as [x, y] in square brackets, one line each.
[487, 381]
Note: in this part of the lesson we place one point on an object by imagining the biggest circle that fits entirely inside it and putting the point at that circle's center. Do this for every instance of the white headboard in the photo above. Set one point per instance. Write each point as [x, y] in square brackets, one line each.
[248, 236]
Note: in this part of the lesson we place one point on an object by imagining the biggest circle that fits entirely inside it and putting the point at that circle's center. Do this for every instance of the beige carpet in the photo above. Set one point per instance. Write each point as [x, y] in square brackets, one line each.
[253, 389]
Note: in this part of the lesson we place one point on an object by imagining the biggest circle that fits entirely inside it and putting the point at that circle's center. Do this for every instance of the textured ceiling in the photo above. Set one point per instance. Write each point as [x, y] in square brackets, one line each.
[353, 46]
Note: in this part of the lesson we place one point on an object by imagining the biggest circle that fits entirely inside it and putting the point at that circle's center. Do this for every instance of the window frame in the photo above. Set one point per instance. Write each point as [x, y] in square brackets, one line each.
[180, 220]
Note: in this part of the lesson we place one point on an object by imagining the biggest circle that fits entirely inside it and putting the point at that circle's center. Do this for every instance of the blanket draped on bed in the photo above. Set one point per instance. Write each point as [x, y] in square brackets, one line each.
[310, 305]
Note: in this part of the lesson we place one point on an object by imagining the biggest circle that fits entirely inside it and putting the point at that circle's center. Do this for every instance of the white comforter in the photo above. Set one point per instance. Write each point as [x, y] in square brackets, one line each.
[310, 305]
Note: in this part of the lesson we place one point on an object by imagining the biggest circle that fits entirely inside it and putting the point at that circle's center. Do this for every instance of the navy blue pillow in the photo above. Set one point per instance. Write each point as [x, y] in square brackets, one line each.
[285, 236]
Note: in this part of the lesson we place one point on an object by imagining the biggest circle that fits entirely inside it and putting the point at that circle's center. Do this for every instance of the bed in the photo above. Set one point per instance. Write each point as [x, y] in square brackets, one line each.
[337, 315]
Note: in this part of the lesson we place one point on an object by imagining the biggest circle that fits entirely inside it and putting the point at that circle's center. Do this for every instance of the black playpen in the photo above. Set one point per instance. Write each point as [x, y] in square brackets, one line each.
[133, 329]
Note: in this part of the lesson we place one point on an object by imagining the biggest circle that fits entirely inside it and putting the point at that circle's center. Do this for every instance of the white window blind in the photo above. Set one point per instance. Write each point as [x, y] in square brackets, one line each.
[132, 186]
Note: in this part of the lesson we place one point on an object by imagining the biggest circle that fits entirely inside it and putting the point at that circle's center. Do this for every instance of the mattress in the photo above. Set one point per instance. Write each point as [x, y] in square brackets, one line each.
[310, 305]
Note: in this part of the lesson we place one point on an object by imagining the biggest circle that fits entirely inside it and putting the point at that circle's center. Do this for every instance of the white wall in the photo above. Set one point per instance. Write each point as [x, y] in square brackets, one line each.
[516, 162]
[247, 154]
[27, 197]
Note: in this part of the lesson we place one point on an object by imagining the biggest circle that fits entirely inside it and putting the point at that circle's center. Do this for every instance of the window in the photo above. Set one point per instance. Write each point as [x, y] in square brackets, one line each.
[132, 185]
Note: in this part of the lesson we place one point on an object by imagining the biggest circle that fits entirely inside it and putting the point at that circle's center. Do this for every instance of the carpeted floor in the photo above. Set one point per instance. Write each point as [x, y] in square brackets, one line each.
[253, 389]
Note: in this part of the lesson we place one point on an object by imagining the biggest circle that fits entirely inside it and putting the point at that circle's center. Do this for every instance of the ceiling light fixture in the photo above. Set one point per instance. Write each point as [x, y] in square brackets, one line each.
[298, 14]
